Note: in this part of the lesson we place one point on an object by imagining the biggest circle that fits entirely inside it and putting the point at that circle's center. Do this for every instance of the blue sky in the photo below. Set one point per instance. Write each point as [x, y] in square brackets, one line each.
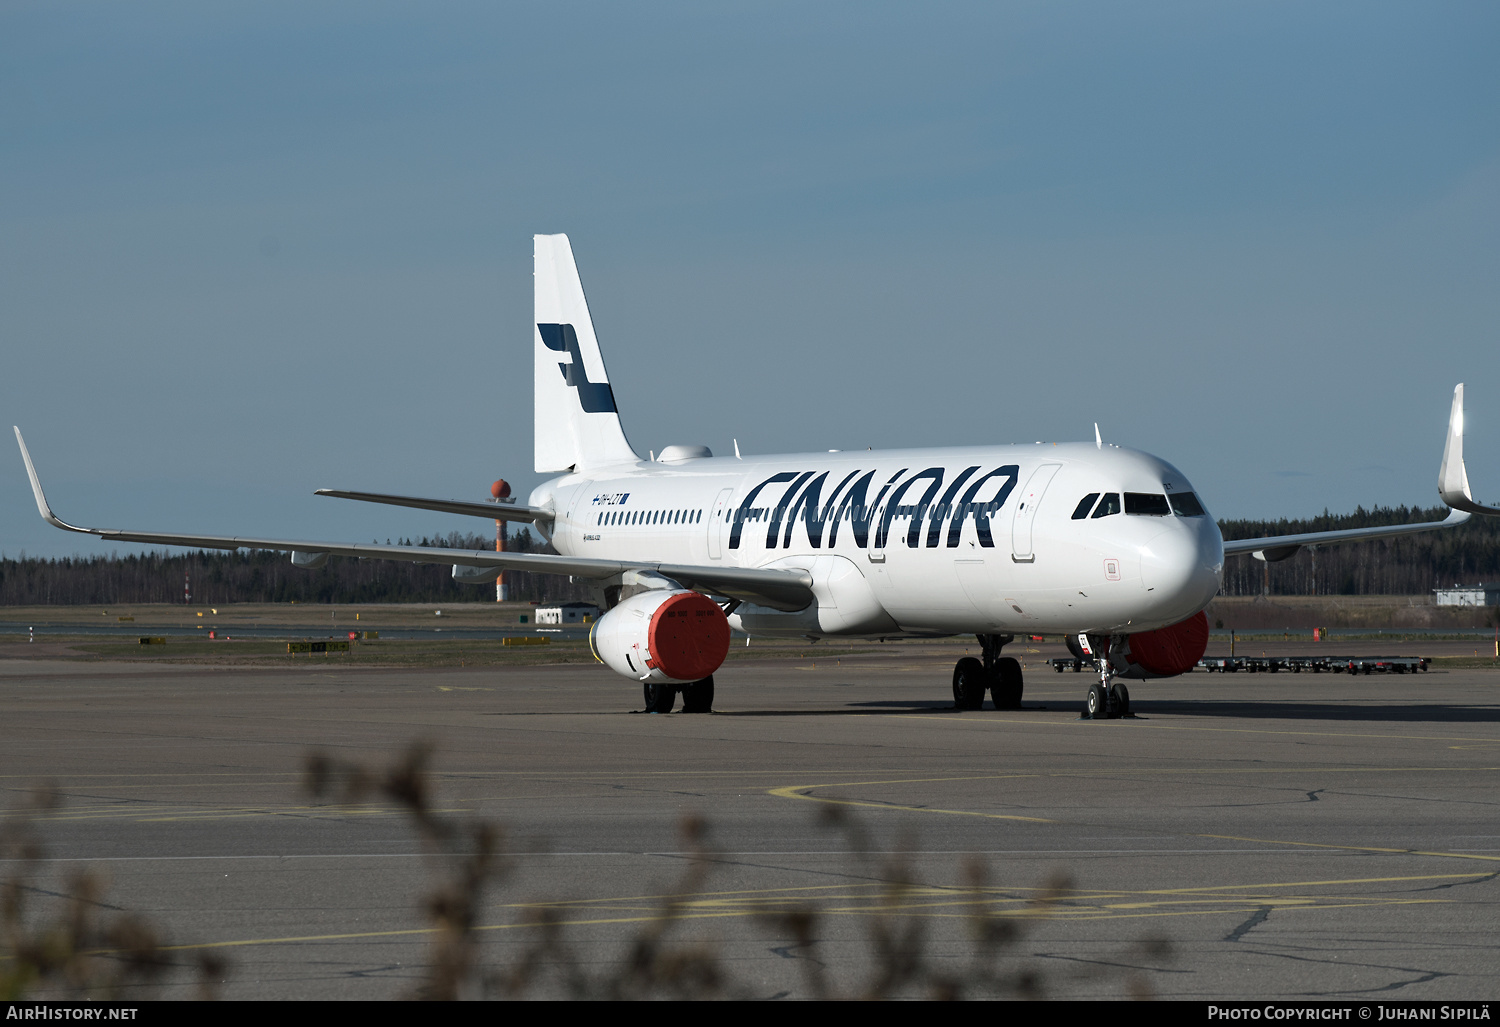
[250, 251]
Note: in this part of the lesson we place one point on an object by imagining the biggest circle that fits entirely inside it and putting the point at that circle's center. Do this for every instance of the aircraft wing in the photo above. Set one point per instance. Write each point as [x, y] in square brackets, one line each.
[1280, 547]
[788, 590]
[1453, 487]
[492, 511]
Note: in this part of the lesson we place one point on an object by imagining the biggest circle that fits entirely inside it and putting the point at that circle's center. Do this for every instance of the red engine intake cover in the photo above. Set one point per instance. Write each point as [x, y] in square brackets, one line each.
[1175, 649]
[688, 637]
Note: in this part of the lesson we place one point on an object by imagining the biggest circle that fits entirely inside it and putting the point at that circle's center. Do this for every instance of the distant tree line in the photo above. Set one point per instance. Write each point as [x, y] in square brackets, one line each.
[1410, 565]
[264, 576]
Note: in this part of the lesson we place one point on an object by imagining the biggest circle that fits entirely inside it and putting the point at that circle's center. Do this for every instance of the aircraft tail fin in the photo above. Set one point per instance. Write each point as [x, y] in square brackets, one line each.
[577, 425]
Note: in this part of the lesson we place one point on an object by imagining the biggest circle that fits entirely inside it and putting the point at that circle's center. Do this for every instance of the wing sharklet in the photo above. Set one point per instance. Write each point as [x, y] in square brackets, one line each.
[1453, 477]
[1453, 487]
[41, 497]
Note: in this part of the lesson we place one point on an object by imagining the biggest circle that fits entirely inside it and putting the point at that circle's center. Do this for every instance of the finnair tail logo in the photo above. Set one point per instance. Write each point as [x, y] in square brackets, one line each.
[596, 397]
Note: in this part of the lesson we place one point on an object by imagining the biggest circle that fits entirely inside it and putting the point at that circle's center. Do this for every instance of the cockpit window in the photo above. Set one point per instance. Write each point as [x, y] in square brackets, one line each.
[1185, 504]
[1147, 504]
[1110, 504]
[1084, 506]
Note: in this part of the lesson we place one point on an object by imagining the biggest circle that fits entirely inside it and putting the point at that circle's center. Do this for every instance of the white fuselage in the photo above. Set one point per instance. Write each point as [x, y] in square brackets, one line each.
[973, 540]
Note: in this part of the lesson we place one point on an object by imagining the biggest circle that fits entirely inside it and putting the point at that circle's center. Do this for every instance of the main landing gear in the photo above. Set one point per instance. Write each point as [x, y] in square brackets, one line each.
[999, 675]
[697, 697]
[1107, 698]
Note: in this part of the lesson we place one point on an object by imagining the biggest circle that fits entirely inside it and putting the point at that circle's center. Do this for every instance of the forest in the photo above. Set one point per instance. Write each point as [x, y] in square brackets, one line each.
[265, 576]
[1409, 565]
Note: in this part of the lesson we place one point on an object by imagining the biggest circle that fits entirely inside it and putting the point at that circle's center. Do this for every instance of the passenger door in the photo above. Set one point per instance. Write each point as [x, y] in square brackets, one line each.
[717, 520]
[1031, 498]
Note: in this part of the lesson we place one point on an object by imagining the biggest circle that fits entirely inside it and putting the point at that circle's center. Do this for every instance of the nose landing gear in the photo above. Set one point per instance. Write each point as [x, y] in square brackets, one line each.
[1107, 698]
[1096, 703]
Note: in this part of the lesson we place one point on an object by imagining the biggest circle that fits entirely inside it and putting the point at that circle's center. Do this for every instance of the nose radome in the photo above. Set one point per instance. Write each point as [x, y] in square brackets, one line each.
[1178, 563]
[1165, 561]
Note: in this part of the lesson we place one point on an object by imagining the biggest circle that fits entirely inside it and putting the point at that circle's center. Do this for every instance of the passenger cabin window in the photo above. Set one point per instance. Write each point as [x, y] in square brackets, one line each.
[1084, 506]
[1185, 504]
[1110, 504]
[1146, 504]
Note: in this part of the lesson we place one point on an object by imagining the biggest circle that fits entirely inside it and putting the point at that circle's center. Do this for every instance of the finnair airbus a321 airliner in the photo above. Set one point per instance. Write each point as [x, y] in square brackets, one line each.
[1109, 546]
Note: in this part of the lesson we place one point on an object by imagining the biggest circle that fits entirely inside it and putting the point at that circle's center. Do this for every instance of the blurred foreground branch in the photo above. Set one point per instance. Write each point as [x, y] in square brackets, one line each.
[88, 949]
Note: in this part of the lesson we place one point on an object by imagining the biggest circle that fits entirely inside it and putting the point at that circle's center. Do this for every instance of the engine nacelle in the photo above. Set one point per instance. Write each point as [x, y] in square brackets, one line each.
[1165, 652]
[672, 637]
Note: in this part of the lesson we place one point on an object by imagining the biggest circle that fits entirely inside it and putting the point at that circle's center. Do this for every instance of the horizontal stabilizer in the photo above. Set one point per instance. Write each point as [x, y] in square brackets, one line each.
[492, 511]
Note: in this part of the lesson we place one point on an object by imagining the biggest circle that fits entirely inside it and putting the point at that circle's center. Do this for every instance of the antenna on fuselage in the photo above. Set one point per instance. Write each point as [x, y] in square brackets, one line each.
[737, 450]
[1098, 439]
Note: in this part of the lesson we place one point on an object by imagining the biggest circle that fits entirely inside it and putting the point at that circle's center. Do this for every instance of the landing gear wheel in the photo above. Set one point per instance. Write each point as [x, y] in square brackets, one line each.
[1119, 700]
[699, 696]
[969, 684]
[1095, 704]
[1008, 685]
[660, 698]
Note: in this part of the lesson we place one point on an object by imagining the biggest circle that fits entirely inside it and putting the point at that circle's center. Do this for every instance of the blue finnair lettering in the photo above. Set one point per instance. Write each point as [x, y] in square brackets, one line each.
[818, 514]
[861, 513]
[913, 534]
[745, 510]
[596, 397]
[935, 526]
[981, 511]
[784, 509]
[815, 512]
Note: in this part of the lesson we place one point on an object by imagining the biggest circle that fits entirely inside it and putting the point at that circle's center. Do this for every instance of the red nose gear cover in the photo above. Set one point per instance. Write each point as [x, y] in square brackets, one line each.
[688, 636]
[1175, 649]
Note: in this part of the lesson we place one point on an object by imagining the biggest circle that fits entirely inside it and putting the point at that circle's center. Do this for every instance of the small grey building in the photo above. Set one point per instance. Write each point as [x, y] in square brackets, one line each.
[1469, 595]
